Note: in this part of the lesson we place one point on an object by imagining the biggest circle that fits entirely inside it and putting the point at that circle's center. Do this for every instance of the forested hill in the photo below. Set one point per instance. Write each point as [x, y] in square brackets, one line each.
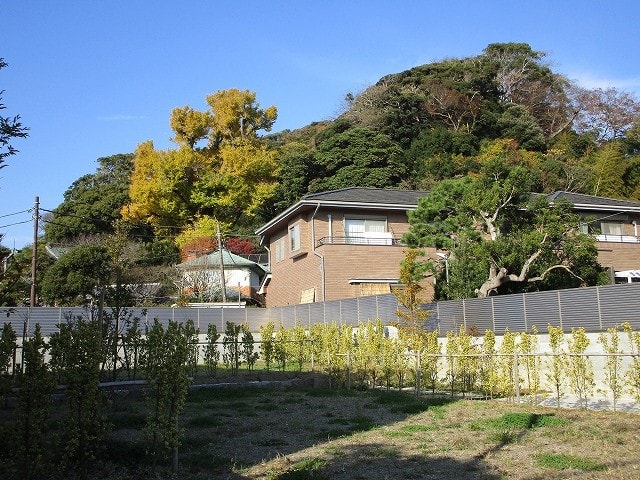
[495, 112]
[410, 130]
[442, 120]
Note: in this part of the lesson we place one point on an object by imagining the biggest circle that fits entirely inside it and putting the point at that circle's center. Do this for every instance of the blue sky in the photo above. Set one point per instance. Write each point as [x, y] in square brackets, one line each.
[94, 78]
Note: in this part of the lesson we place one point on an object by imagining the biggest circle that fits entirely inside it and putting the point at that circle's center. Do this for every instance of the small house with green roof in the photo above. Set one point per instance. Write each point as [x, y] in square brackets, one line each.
[201, 278]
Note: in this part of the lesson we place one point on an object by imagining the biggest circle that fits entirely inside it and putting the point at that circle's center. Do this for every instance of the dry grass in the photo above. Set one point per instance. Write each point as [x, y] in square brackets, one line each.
[317, 433]
[274, 434]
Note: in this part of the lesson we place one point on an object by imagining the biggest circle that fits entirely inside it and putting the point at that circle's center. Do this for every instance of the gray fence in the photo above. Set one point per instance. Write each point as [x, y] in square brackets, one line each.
[350, 311]
[594, 308]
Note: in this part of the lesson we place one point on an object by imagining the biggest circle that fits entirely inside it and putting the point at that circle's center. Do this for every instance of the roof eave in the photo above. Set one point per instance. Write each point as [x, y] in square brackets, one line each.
[606, 208]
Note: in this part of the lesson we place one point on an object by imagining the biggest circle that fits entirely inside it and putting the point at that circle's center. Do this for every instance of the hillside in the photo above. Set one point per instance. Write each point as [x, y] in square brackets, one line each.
[409, 130]
[415, 128]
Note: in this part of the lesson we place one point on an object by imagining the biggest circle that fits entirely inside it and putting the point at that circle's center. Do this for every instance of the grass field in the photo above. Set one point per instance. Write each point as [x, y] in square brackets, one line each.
[272, 434]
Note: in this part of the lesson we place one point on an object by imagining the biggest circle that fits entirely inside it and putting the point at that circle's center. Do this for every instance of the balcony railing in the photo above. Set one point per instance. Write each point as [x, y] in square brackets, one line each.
[617, 238]
[359, 240]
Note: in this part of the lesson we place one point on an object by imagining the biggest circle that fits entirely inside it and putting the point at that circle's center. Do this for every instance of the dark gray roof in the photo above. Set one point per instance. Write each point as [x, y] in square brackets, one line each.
[394, 199]
[581, 200]
[369, 195]
[353, 197]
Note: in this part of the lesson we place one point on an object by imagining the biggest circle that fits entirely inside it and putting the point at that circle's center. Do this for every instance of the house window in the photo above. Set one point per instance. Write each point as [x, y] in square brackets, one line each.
[611, 228]
[584, 228]
[280, 249]
[367, 230]
[294, 238]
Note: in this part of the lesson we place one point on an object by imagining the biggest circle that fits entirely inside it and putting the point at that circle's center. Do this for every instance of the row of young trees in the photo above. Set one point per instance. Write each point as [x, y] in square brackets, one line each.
[79, 356]
[466, 362]
[367, 354]
[75, 359]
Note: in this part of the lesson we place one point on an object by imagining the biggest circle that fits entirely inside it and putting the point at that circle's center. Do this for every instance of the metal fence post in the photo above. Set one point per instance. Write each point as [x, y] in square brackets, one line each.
[599, 307]
[516, 375]
[559, 310]
[464, 314]
[493, 315]
[418, 374]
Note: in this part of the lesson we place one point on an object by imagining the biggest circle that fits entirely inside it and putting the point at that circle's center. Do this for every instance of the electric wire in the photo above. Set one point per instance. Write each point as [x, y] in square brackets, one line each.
[139, 236]
[15, 213]
[141, 225]
[17, 223]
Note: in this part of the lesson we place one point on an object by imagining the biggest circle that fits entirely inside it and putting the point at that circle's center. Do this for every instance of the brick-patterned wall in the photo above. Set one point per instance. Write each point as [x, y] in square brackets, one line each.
[619, 256]
[300, 272]
[345, 262]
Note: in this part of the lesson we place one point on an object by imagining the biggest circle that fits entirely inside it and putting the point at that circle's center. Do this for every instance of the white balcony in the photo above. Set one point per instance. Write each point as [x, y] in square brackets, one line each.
[618, 238]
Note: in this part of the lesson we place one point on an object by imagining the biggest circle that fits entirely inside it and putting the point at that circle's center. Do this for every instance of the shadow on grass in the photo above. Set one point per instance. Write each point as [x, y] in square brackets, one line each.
[378, 461]
[227, 429]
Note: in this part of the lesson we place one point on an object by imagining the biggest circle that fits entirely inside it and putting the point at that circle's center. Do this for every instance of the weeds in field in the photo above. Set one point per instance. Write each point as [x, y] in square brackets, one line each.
[568, 462]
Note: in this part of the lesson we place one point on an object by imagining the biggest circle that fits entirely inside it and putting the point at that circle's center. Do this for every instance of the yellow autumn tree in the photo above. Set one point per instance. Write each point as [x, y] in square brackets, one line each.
[162, 184]
[244, 178]
[236, 116]
[412, 315]
[195, 188]
[189, 125]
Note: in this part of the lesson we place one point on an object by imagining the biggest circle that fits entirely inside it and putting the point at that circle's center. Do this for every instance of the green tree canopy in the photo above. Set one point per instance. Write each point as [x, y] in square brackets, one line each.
[15, 274]
[297, 168]
[498, 240]
[608, 171]
[10, 128]
[78, 274]
[93, 202]
[358, 157]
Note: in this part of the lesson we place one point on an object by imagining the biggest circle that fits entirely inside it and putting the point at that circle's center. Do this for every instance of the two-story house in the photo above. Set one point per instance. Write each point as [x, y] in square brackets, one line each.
[347, 243]
[614, 222]
[337, 244]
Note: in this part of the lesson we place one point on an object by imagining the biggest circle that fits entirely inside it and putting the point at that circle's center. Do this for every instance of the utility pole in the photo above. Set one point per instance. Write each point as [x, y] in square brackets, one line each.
[34, 252]
[224, 283]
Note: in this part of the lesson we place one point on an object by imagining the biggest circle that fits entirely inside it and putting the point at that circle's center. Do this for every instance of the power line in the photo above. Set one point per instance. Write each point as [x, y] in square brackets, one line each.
[17, 223]
[75, 216]
[142, 225]
[16, 213]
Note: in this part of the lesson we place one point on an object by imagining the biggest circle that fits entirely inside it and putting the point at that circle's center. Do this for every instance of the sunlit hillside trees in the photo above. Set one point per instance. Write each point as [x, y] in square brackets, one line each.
[445, 121]
[219, 175]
